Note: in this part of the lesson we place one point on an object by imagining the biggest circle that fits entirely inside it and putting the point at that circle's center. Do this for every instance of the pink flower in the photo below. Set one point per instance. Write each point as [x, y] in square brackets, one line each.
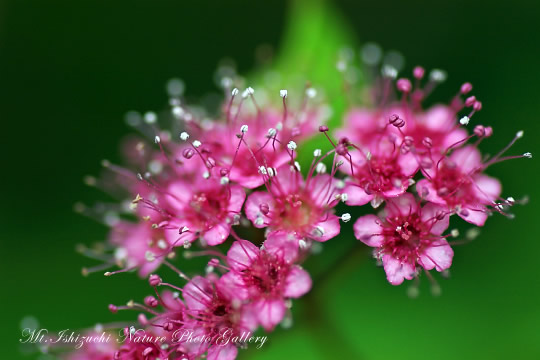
[407, 236]
[458, 183]
[214, 311]
[206, 208]
[303, 208]
[383, 172]
[138, 245]
[267, 277]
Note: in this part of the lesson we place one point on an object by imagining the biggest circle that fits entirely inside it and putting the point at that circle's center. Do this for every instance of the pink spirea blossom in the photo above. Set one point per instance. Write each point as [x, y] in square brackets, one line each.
[218, 181]
[292, 204]
[407, 237]
[267, 276]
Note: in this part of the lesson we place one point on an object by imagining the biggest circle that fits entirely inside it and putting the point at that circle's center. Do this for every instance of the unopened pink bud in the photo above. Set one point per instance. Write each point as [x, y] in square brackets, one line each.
[418, 72]
[466, 88]
[470, 101]
[154, 280]
[404, 85]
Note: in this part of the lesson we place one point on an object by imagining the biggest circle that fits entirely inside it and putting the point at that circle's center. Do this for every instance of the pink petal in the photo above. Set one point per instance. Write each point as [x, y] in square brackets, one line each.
[283, 244]
[474, 216]
[439, 256]
[289, 181]
[366, 229]
[326, 230]
[408, 164]
[270, 312]
[397, 271]
[427, 192]
[439, 118]
[252, 208]
[430, 212]
[241, 254]
[236, 199]
[217, 234]
[356, 196]
[233, 286]
[197, 293]
[467, 158]
[403, 205]
[297, 283]
[321, 188]
[488, 188]
[178, 195]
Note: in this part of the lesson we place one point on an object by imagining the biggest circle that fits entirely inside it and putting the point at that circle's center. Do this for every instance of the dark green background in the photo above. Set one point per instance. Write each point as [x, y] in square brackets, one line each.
[69, 70]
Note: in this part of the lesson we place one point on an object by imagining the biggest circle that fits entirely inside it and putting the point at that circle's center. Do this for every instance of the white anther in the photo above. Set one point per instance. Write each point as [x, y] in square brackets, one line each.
[250, 90]
[528, 155]
[291, 145]
[368, 155]
[454, 233]
[162, 244]
[226, 82]
[157, 139]
[235, 92]
[184, 229]
[283, 93]
[262, 170]
[259, 221]
[344, 197]
[155, 166]
[271, 172]
[320, 168]
[149, 256]
[317, 152]
[196, 143]
[184, 136]
[510, 200]
[346, 217]
[464, 120]
[340, 184]
[519, 134]
[311, 93]
[150, 117]
[224, 180]
[279, 126]
[437, 75]
[244, 129]
[389, 71]
[297, 165]
[318, 231]
[206, 175]
[339, 163]
[272, 132]
[177, 111]
[302, 244]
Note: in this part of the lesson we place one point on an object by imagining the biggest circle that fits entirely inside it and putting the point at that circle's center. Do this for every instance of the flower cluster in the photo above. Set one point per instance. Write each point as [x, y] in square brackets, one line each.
[215, 183]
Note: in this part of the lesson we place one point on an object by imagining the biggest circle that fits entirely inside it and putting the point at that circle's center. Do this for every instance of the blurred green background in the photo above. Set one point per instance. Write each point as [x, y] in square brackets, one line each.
[69, 70]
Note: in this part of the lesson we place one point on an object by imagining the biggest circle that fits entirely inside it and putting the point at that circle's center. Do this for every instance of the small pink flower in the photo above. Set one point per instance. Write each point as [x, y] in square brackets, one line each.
[384, 172]
[407, 237]
[266, 277]
[213, 310]
[458, 183]
[303, 208]
[206, 208]
[138, 245]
